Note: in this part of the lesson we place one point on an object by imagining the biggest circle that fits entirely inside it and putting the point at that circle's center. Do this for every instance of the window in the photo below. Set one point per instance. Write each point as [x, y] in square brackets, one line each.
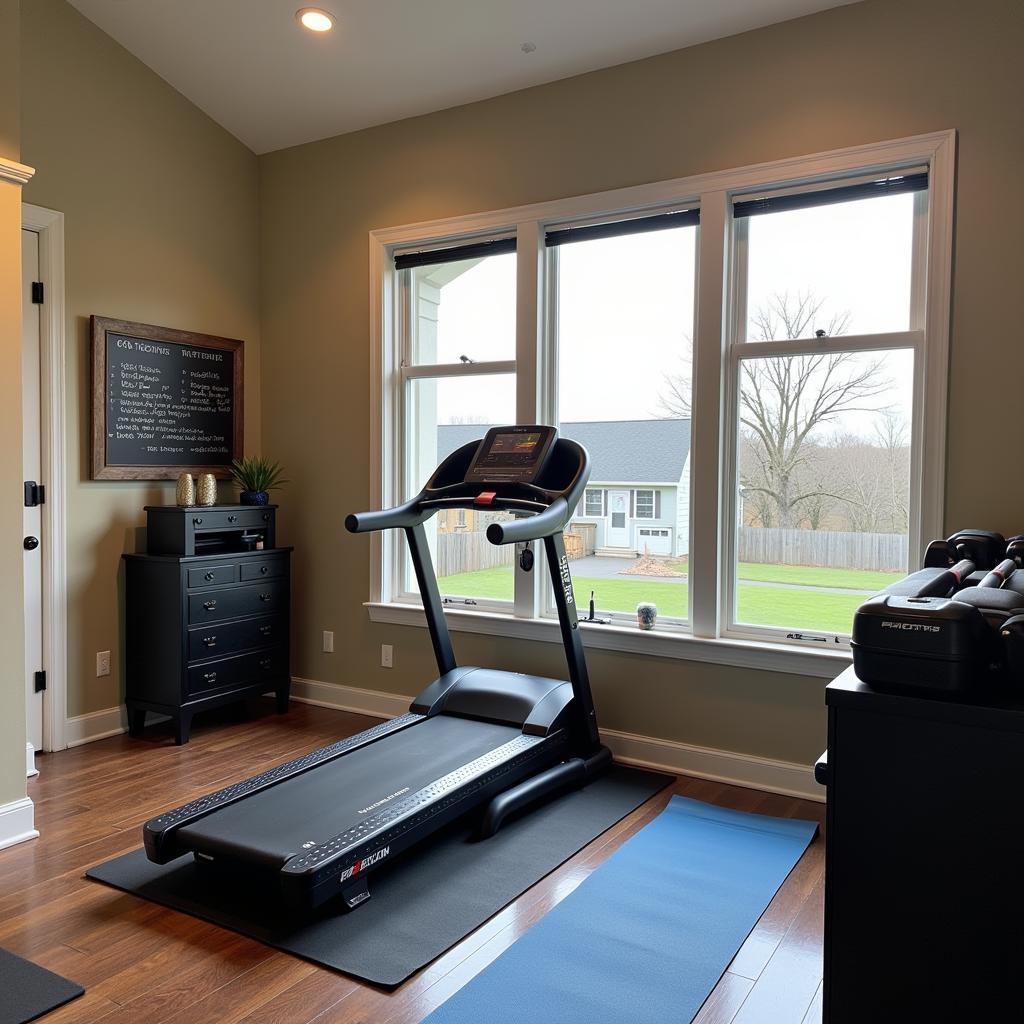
[647, 504]
[824, 426]
[623, 340]
[457, 317]
[755, 359]
[593, 502]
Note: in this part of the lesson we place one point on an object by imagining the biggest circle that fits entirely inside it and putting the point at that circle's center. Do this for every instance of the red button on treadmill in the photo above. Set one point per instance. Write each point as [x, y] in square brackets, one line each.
[485, 498]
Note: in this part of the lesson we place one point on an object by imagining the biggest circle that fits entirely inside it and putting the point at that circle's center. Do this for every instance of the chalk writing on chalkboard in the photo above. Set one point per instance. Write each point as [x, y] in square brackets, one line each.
[170, 401]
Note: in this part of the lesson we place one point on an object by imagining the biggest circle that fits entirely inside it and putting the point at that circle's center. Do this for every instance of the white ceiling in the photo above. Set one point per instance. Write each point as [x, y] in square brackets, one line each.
[249, 65]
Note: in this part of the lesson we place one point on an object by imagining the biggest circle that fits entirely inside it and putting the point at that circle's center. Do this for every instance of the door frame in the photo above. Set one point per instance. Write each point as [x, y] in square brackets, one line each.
[49, 225]
[626, 532]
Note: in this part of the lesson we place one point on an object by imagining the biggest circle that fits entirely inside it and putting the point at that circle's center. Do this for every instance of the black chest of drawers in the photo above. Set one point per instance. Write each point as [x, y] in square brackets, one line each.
[205, 630]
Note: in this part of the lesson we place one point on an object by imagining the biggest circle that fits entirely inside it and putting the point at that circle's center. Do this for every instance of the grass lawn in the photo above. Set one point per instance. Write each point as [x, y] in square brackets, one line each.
[764, 606]
[813, 576]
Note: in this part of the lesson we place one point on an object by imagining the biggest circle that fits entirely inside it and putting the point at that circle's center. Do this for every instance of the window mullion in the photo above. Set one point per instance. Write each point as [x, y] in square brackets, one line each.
[530, 372]
[706, 436]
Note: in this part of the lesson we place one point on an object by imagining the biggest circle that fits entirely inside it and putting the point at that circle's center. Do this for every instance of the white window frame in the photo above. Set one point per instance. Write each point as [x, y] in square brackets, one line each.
[652, 491]
[705, 637]
[602, 497]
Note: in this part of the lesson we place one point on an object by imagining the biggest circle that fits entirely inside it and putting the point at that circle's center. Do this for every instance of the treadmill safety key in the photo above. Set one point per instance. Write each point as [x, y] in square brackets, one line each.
[485, 498]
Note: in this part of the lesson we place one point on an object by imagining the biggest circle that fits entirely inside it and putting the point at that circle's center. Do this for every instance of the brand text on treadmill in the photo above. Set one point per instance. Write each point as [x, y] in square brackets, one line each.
[383, 800]
[364, 863]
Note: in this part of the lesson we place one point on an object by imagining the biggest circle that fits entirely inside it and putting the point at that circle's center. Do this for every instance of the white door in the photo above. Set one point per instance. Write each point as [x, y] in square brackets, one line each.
[32, 470]
[618, 519]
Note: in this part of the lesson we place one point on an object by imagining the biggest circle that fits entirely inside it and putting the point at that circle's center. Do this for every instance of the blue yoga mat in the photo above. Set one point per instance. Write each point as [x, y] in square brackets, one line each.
[647, 936]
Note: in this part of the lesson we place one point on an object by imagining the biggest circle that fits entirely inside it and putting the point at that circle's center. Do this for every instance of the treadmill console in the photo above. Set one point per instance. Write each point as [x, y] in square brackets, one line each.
[511, 455]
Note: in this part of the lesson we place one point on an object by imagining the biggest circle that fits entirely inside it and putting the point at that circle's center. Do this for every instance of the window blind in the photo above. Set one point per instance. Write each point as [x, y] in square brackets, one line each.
[454, 253]
[778, 203]
[612, 229]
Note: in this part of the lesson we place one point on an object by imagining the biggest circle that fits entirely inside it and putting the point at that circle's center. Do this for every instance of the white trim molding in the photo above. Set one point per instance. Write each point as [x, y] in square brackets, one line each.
[734, 769]
[30, 761]
[97, 725]
[17, 822]
[49, 225]
[15, 173]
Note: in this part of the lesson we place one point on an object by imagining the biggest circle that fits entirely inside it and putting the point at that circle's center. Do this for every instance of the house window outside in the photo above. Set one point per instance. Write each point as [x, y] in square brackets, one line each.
[646, 504]
[816, 395]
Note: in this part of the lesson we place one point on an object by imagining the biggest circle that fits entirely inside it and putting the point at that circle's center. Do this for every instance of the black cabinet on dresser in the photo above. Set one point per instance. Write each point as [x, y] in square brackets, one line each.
[203, 630]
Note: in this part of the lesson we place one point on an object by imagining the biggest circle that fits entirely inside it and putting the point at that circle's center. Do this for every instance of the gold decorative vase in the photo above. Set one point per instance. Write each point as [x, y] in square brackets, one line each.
[206, 491]
[185, 490]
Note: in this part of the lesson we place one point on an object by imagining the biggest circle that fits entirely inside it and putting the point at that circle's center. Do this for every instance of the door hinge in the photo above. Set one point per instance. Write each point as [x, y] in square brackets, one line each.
[37, 293]
[35, 494]
[40, 681]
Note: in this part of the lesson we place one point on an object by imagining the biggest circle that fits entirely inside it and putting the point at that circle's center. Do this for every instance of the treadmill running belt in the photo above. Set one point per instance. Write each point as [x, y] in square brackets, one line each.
[272, 825]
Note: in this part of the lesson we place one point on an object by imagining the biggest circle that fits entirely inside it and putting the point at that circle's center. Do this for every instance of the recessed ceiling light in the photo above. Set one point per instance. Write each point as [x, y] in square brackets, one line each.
[315, 19]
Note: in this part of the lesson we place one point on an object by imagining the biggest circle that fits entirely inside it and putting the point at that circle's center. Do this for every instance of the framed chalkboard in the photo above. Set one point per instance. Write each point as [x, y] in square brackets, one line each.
[163, 401]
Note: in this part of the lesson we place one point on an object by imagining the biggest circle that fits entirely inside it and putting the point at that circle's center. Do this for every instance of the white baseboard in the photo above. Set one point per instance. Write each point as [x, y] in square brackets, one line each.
[725, 766]
[17, 822]
[97, 725]
[30, 761]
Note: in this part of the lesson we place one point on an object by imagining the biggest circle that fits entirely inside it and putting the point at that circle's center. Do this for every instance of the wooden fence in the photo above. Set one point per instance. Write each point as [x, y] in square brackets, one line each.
[883, 552]
[467, 552]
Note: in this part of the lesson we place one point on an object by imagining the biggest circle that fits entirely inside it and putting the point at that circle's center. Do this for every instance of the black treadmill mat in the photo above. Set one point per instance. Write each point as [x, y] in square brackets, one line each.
[432, 897]
[272, 825]
[28, 991]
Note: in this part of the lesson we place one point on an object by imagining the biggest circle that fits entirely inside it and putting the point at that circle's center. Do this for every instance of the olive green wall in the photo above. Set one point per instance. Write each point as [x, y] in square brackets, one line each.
[10, 59]
[12, 679]
[877, 70]
[161, 214]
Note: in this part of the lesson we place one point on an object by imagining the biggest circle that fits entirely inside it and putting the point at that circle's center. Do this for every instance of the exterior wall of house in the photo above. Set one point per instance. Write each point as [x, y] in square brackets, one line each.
[683, 511]
[667, 520]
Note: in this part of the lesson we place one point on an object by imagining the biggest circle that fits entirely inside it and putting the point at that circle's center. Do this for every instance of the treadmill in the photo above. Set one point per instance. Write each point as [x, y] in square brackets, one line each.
[475, 740]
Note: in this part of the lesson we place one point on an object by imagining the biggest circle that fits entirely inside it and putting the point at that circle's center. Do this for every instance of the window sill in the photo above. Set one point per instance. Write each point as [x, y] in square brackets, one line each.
[769, 657]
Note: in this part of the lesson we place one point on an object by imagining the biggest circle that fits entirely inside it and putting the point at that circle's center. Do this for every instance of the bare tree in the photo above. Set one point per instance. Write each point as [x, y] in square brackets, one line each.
[675, 398]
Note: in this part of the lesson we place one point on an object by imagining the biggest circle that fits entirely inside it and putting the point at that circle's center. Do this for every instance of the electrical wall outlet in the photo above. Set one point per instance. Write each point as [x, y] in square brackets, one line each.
[103, 663]
[328, 641]
[387, 656]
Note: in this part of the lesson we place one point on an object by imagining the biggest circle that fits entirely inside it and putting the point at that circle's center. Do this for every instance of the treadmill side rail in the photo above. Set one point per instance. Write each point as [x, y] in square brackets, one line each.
[160, 833]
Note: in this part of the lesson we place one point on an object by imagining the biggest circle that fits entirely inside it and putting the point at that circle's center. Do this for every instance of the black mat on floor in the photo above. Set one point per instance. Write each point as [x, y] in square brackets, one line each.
[419, 908]
[28, 991]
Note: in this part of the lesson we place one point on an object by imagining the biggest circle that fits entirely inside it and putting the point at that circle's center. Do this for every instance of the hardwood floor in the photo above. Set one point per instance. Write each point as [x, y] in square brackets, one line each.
[142, 963]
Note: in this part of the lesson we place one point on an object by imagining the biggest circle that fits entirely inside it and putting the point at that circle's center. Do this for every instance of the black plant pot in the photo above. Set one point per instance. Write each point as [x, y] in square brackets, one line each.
[254, 498]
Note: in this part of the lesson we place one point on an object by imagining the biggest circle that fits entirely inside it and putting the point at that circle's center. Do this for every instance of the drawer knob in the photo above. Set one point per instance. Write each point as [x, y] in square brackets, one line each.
[266, 517]
[209, 641]
[209, 605]
[265, 596]
[264, 569]
[266, 630]
[264, 663]
[197, 521]
[210, 677]
[232, 519]
[208, 577]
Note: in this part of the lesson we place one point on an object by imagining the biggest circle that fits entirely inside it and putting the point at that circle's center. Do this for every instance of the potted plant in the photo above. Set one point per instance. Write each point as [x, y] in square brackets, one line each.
[256, 476]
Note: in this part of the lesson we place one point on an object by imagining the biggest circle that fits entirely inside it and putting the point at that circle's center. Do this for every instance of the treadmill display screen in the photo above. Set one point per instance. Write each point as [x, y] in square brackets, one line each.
[510, 454]
[521, 447]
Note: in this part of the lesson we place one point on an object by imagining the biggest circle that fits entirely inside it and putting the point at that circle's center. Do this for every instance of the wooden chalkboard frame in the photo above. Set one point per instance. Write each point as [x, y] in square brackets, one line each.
[99, 327]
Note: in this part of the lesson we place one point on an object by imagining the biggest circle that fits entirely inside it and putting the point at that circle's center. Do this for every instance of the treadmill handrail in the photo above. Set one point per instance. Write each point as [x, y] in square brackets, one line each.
[404, 516]
[544, 524]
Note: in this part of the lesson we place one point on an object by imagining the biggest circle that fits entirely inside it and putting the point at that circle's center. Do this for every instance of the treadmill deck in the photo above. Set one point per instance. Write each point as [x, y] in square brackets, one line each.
[276, 824]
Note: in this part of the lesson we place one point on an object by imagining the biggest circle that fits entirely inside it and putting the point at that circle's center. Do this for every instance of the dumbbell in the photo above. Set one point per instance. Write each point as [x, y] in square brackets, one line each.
[932, 582]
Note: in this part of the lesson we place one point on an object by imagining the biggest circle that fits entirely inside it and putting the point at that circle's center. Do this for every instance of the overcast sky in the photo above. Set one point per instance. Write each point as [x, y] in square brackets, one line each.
[626, 308]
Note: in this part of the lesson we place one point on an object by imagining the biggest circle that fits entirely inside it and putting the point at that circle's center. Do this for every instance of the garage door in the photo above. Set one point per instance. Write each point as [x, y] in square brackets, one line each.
[657, 542]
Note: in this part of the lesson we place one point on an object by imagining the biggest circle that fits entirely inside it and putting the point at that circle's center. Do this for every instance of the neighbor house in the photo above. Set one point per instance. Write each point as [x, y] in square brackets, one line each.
[638, 496]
